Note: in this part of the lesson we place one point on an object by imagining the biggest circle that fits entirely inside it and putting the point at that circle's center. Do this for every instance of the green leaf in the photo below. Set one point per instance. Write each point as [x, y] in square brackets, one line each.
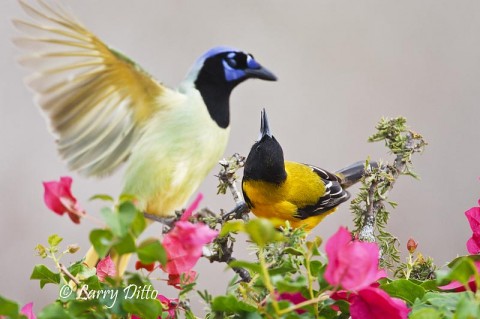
[101, 240]
[429, 285]
[247, 265]
[231, 304]
[426, 313]
[291, 285]
[112, 220]
[45, 275]
[127, 212]
[54, 240]
[233, 226]
[144, 308]
[126, 198]
[456, 260]
[81, 270]
[125, 245]
[92, 283]
[54, 311]
[404, 289]
[138, 224]
[462, 270]
[66, 293]
[468, 308]
[103, 197]
[86, 309]
[285, 267]
[316, 267]
[111, 298]
[293, 251]
[151, 250]
[120, 222]
[262, 232]
[9, 308]
[445, 302]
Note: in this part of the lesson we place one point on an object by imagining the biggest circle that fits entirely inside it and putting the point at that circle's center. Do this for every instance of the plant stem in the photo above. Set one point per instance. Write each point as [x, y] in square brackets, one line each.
[267, 281]
[310, 281]
[303, 304]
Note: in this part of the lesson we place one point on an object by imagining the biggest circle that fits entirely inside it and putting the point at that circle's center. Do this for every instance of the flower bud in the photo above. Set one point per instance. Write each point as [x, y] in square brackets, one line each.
[412, 245]
[72, 249]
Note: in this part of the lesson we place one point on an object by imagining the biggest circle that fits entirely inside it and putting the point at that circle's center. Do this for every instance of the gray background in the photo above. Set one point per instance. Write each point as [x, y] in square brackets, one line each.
[342, 65]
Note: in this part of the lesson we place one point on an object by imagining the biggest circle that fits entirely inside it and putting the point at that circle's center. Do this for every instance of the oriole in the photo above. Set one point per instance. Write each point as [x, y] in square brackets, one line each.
[282, 191]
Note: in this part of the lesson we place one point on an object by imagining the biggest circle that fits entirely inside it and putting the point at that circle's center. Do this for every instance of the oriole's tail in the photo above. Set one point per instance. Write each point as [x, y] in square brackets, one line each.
[353, 173]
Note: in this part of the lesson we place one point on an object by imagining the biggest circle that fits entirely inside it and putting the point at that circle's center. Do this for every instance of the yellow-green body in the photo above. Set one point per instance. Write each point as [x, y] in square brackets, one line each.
[163, 170]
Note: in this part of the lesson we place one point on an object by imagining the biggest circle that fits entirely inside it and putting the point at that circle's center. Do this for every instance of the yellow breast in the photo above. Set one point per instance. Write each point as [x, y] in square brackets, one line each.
[280, 203]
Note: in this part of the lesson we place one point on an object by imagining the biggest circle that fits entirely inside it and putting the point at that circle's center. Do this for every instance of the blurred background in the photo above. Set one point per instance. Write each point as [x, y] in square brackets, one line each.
[342, 65]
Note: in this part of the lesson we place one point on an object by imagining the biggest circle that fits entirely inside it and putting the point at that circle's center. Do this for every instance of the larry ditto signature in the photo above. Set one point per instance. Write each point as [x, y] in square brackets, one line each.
[110, 296]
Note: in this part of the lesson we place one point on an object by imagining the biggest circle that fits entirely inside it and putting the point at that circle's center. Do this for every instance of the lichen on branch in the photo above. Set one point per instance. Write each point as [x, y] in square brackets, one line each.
[369, 207]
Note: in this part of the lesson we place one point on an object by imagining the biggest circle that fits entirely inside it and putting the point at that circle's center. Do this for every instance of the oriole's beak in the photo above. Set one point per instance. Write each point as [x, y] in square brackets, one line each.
[264, 127]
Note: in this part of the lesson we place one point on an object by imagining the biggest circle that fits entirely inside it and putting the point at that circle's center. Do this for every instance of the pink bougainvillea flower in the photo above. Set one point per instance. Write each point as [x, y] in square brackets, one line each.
[473, 216]
[352, 264]
[147, 267]
[457, 286]
[27, 310]
[190, 209]
[58, 198]
[106, 268]
[169, 305]
[374, 303]
[184, 244]
[294, 298]
[176, 280]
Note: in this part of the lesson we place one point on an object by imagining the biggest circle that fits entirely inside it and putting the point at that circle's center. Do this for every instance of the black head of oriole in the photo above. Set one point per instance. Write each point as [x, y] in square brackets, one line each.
[282, 191]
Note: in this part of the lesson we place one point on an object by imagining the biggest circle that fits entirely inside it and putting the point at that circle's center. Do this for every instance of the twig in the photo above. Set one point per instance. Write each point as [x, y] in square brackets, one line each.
[68, 274]
[228, 179]
[83, 289]
[168, 221]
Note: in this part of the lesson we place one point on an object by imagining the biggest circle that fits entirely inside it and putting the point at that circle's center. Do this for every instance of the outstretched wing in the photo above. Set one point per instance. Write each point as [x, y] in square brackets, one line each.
[334, 195]
[97, 100]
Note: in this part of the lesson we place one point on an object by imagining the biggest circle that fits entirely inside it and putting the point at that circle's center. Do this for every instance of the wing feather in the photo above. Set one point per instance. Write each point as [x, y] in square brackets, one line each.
[96, 99]
[334, 195]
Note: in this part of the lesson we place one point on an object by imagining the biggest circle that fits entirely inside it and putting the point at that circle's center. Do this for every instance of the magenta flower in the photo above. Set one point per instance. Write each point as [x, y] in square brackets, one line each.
[294, 298]
[184, 243]
[374, 303]
[58, 198]
[352, 264]
[106, 268]
[473, 216]
[27, 310]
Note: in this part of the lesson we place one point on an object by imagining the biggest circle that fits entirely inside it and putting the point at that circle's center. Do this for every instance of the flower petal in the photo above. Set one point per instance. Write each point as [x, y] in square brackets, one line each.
[106, 268]
[374, 303]
[27, 310]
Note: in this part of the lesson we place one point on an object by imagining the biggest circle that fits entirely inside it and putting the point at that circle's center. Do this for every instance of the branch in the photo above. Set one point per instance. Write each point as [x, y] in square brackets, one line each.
[371, 216]
[227, 178]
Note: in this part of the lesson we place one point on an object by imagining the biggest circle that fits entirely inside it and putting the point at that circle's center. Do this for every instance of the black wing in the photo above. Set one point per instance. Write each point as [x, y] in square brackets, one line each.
[334, 195]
